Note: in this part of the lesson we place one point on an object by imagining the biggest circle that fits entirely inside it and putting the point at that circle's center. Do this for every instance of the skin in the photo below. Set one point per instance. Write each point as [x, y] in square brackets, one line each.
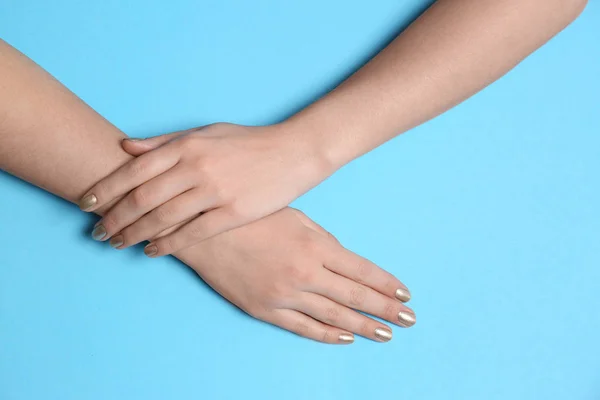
[235, 175]
[223, 176]
[283, 269]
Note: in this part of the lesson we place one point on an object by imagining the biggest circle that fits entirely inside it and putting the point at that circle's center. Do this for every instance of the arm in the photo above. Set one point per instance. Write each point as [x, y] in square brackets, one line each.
[453, 50]
[283, 269]
[238, 174]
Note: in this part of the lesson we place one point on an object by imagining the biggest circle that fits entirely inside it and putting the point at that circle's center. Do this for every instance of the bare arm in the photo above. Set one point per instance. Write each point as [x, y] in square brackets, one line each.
[48, 136]
[274, 268]
[453, 50]
[228, 175]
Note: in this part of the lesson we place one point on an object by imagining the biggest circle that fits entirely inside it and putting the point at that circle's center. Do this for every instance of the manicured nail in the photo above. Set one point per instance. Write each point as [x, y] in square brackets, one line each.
[403, 295]
[133, 139]
[150, 250]
[406, 318]
[345, 338]
[384, 335]
[99, 232]
[116, 241]
[88, 202]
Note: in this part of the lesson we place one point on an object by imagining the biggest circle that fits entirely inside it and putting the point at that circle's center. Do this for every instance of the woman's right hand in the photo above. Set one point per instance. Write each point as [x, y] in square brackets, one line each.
[286, 270]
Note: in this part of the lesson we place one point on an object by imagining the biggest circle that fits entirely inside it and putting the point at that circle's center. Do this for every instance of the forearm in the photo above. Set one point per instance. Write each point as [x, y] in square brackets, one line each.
[456, 48]
[48, 136]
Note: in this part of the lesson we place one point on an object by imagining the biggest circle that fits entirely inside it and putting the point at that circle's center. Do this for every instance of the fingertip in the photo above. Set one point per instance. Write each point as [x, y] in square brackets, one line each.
[346, 338]
[403, 294]
[88, 202]
[117, 242]
[151, 250]
[133, 146]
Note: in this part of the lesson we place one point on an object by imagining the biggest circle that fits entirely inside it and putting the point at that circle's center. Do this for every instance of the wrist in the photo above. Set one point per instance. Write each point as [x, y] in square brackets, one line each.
[308, 158]
[317, 141]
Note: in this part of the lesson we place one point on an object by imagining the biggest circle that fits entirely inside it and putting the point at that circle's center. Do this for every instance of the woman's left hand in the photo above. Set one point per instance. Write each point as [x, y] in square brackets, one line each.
[212, 179]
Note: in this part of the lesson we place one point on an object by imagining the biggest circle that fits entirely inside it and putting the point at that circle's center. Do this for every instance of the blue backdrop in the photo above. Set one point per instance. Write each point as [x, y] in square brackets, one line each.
[490, 214]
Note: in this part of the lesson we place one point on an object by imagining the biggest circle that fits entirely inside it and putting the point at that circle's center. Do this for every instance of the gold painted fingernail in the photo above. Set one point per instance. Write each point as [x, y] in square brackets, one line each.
[150, 250]
[132, 139]
[403, 295]
[88, 202]
[345, 338]
[406, 318]
[99, 232]
[116, 241]
[384, 335]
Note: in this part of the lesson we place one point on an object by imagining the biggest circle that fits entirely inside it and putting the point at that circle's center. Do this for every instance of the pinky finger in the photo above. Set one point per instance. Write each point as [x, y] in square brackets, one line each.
[207, 225]
[305, 326]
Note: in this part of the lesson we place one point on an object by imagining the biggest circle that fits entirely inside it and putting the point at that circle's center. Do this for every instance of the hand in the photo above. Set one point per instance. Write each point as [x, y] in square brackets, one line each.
[286, 270]
[215, 178]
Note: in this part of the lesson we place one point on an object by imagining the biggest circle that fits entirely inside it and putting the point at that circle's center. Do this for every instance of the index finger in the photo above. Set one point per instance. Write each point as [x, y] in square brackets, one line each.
[359, 269]
[128, 177]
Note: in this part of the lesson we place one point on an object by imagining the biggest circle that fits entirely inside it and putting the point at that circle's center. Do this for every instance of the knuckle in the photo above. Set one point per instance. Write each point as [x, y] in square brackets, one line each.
[299, 274]
[196, 232]
[390, 311]
[137, 167]
[110, 221]
[258, 311]
[364, 269]
[201, 166]
[275, 294]
[235, 210]
[327, 336]
[166, 245]
[332, 238]
[218, 191]
[139, 197]
[301, 329]
[332, 316]
[163, 214]
[309, 245]
[366, 328]
[357, 296]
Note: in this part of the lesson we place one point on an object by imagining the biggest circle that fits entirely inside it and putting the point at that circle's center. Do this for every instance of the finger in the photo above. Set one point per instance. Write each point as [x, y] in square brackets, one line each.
[137, 147]
[184, 207]
[128, 177]
[205, 226]
[359, 269]
[362, 298]
[334, 314]
[143, 199]
[307, 327]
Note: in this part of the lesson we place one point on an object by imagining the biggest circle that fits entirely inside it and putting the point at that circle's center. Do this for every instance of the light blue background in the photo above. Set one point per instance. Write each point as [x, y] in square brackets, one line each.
[489, 213]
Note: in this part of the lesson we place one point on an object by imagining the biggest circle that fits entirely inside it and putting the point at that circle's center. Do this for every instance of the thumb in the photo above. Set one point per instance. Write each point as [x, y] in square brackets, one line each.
[137, 147]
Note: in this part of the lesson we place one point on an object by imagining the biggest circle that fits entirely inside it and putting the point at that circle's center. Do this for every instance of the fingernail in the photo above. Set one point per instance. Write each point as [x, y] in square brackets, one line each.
[406, 318]
[384, 335]
[87, 202]
[116, 241]
[99, 232]
[403, 295]
[345, 338]
[150, 250]
[132, 139]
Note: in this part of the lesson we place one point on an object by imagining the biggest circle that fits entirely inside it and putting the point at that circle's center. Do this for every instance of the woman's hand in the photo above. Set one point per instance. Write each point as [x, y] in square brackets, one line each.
[286, 270]
[214, 178]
